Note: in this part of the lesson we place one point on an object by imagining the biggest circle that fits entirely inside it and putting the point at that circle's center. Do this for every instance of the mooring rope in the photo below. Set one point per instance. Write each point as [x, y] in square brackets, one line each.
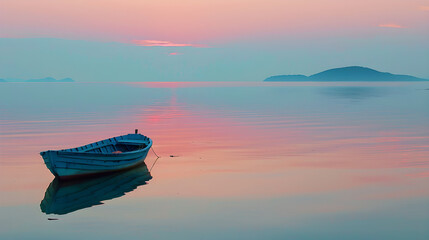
[150, 170]
[154, 152]
[157, 157]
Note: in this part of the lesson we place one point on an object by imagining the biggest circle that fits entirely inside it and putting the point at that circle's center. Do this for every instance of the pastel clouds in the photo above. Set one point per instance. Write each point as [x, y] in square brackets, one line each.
[174, 53]
[159, 43]
[390, 25]
[193, 21]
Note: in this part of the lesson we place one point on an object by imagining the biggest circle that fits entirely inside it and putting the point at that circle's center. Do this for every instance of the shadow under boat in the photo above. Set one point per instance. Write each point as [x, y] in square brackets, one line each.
[63, 197]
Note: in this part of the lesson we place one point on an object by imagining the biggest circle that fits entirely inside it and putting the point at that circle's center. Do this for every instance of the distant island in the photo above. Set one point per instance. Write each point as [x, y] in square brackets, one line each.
[47, 79]
[353, 73]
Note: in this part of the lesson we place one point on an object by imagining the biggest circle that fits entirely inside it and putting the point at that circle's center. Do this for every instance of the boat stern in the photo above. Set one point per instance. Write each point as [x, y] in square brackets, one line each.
[48, 158]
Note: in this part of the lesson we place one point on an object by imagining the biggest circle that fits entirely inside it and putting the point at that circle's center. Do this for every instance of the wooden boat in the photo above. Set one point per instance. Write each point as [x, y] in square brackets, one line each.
[112, 154]
[62, 197]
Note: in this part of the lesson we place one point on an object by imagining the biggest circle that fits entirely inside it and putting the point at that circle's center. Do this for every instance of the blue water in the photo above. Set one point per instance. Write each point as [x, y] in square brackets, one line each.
[251, 160]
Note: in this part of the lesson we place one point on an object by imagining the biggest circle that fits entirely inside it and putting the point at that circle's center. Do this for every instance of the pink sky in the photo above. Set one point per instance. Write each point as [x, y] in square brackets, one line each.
[204, 22]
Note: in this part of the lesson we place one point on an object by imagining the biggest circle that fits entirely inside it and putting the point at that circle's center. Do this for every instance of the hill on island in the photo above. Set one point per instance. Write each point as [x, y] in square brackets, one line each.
[353, 73]
[47, 79]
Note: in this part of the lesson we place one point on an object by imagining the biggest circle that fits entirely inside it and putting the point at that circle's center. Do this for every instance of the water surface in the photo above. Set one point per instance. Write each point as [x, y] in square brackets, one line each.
[253, 160]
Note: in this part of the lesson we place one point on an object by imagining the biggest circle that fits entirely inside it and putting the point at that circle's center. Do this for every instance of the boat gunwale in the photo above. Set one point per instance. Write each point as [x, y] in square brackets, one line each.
[68, 151]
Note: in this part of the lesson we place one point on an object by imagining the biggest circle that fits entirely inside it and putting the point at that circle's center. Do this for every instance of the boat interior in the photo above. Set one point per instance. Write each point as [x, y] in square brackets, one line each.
[114, 145]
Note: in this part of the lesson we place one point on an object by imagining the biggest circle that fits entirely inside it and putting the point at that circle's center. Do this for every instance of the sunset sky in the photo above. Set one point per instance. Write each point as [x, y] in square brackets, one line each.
[197, 40]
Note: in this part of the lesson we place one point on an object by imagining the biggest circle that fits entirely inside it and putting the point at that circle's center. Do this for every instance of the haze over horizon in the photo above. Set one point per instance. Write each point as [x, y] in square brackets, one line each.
[209, 41]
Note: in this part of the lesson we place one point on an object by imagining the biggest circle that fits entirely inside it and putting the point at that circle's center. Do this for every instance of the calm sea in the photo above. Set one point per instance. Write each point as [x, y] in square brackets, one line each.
[251, 161]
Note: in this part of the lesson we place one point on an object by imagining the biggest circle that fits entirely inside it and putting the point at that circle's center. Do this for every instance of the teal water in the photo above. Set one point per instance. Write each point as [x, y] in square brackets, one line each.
[251, 161]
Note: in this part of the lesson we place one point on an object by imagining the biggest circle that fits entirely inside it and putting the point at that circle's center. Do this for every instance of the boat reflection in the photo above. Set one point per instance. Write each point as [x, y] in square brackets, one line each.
[63, 197]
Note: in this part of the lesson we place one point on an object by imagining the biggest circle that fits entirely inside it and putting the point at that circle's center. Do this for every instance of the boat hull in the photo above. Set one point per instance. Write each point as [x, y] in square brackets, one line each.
[68, 164]
[68, 167]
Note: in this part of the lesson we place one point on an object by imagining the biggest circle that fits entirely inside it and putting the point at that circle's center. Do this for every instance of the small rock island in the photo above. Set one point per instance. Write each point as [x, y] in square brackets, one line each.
[353, 73]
